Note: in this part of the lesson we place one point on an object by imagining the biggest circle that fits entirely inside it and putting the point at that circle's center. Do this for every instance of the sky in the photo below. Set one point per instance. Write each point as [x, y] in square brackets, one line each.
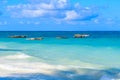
[59, 15]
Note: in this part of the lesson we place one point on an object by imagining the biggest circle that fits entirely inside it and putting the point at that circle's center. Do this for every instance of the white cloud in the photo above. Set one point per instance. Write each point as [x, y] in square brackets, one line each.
[45, 6]
[33, 13]
[96, 21]
[55, 9]
[71, 15]
[80, 14]
[61, 3]
[29, 10]
[38, 9]
[55, 3]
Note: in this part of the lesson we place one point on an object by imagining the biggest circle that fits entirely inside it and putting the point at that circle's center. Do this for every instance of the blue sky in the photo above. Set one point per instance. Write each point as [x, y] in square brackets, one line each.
[59, 15]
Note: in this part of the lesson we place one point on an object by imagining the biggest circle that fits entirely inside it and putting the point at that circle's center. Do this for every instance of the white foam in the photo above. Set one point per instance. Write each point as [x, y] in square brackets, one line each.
[9, 68]
[19, 64]
[27, 67]
[19, 55]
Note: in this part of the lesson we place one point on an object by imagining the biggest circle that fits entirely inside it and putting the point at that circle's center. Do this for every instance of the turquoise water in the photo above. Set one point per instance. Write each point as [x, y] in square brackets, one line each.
[60, 59]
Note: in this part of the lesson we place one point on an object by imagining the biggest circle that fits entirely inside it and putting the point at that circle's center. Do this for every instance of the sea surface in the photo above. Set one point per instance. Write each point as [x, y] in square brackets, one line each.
[94, 58]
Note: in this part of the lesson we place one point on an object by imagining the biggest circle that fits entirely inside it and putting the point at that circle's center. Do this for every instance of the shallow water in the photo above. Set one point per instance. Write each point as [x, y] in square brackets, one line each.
[60, 59]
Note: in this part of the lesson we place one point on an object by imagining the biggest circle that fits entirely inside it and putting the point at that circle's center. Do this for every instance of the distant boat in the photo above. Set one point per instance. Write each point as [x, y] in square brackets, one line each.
[61, 37]
[81, 35]
[18, 36]
[40, 38]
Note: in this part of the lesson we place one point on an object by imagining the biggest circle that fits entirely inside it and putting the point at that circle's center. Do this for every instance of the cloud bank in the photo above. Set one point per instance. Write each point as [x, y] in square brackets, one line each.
[55, 9]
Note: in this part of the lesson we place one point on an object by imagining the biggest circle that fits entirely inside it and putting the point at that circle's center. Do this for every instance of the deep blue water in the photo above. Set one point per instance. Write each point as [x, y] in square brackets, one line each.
[93, 34]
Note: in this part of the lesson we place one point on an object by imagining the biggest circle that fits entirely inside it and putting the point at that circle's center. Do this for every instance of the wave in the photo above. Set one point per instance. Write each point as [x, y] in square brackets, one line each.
[23, 69]
[13, 65]
[18, 55]
[19, 64]
[7, 69]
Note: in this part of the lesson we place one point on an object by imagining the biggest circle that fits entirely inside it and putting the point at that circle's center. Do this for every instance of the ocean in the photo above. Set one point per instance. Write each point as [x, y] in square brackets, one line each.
[96, 57]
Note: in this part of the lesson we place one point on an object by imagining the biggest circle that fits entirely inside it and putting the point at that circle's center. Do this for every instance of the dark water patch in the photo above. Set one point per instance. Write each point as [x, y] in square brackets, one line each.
[93, 34]
[10, 50]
